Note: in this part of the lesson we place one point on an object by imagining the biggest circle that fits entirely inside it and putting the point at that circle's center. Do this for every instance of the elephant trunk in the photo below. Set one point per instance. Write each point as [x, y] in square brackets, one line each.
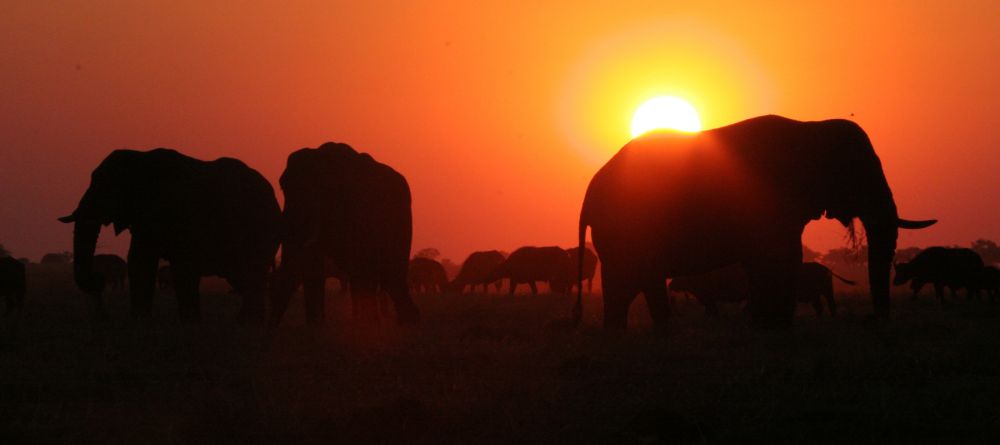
[881, 232]
[84, 243]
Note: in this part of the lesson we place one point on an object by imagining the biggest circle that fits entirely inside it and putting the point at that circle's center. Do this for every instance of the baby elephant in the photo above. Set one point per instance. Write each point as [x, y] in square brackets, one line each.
[12, 283]
[729, 285]
[951, 267]
[427, 275]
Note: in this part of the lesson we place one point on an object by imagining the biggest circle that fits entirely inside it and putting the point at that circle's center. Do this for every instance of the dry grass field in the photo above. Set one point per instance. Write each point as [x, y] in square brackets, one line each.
[496, 369]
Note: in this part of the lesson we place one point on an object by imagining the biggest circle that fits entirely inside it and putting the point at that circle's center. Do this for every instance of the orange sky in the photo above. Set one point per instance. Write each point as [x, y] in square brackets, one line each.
[497, 115]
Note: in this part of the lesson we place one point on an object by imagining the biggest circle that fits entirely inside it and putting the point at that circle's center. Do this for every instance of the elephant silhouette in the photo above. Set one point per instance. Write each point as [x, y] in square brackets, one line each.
[13, 283]
[670, 204]
[203, 217]
[345, 207]
[477, 270]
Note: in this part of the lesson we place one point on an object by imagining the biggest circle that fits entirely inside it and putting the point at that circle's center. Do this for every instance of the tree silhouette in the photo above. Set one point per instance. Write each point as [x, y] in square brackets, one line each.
[987, 249]
[429, 252]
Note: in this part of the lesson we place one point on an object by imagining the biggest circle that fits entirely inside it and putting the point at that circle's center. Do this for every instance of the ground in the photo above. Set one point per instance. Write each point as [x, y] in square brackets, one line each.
[496, 369]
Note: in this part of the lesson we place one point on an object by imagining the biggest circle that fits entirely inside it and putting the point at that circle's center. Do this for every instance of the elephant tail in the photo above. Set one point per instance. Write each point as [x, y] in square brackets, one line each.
[578, 307]
[845, 280]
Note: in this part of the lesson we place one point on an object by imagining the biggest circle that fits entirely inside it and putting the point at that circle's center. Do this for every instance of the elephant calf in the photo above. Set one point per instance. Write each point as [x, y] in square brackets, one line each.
[12, 283]
[951, 267]
[730, 285]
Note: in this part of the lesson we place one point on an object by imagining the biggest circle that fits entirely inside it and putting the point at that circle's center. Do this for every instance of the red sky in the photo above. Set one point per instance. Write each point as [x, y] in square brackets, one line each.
[497, 115]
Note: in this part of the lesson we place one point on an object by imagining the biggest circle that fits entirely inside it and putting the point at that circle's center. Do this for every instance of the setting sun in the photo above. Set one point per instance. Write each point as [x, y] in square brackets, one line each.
[665, 113]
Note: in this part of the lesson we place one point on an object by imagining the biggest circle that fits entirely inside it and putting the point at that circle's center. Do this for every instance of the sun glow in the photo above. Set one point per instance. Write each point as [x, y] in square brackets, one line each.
[665, 113]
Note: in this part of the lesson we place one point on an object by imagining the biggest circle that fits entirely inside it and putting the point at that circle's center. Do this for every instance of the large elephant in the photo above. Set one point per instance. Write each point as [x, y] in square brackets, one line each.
[477, 270]
[343, 206]
[670, 204]
[204, 217]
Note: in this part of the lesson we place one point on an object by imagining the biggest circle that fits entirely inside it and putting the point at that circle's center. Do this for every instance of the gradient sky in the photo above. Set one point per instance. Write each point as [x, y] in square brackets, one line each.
[498, 115]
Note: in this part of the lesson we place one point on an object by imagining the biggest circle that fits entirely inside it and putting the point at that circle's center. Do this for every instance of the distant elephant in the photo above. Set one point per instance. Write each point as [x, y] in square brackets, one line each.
[164, 278]
[991, 282]
[112, 268]
[670, 204]
[13, 283]
[477, 270]
[589, 265]
[344, 206]
[427, 275]
[730, 284]
[56, 258]
[952, 267]
[203, 217]
[530, 264]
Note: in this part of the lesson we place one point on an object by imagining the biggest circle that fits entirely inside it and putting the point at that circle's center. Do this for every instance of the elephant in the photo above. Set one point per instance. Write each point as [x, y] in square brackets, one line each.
[589, 265]
[345, 207]
[204, 218]
[112, 268]
[952, 267]
[476, 270]
[671, 204]
[427, 275]
[530, 264]
[12, 283]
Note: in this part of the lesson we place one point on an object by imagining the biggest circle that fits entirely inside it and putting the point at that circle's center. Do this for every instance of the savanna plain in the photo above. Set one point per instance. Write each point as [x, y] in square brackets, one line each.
[491, 368]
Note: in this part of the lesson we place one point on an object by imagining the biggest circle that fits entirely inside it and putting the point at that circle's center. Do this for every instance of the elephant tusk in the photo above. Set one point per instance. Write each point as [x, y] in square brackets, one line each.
[908, 224]
[68, 218]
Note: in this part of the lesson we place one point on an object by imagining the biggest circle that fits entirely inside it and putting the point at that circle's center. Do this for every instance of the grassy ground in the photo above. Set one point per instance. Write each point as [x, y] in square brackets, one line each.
[490, 368]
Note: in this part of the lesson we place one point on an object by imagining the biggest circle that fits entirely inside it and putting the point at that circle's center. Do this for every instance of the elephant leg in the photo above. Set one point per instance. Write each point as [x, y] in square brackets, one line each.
[658, 302]
[916, 286]
[406, 310]
[590, 285]
[534, 287]
[817, 305]
[513, 286]
[831, 304]
[142, 264]
[939, 291]
[186, 283]
[618, 295]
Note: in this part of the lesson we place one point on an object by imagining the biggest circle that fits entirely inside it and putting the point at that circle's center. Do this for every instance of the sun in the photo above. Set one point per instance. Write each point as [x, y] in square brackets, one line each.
[665, 113]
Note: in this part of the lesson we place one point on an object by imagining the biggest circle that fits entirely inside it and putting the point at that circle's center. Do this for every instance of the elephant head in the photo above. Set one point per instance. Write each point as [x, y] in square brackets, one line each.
[111, 198]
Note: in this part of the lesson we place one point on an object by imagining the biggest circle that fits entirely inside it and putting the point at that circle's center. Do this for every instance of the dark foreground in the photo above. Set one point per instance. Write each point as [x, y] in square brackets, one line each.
[488, 368]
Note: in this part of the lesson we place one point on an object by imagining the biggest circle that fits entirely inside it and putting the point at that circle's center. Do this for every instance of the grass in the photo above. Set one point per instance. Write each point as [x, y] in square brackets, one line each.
[496, 369]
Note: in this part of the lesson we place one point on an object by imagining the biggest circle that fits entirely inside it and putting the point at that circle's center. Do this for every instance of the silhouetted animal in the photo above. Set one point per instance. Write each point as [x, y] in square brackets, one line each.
[671, 204]
[730, 285]
[531, 264]
[991, 282]
[112, 269]
[12, 283]
[589, 265]
[952, 267]
[204, 217]
[164, 278]
[478, 269]
[55, 258]
[330, 270]
[427, 275]
[344, 206]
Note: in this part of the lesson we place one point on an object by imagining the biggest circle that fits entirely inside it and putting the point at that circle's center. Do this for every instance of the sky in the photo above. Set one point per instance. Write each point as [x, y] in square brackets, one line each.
[497, 114]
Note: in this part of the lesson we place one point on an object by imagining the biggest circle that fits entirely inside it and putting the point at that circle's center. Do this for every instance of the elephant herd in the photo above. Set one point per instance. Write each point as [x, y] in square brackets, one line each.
[667, 205]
